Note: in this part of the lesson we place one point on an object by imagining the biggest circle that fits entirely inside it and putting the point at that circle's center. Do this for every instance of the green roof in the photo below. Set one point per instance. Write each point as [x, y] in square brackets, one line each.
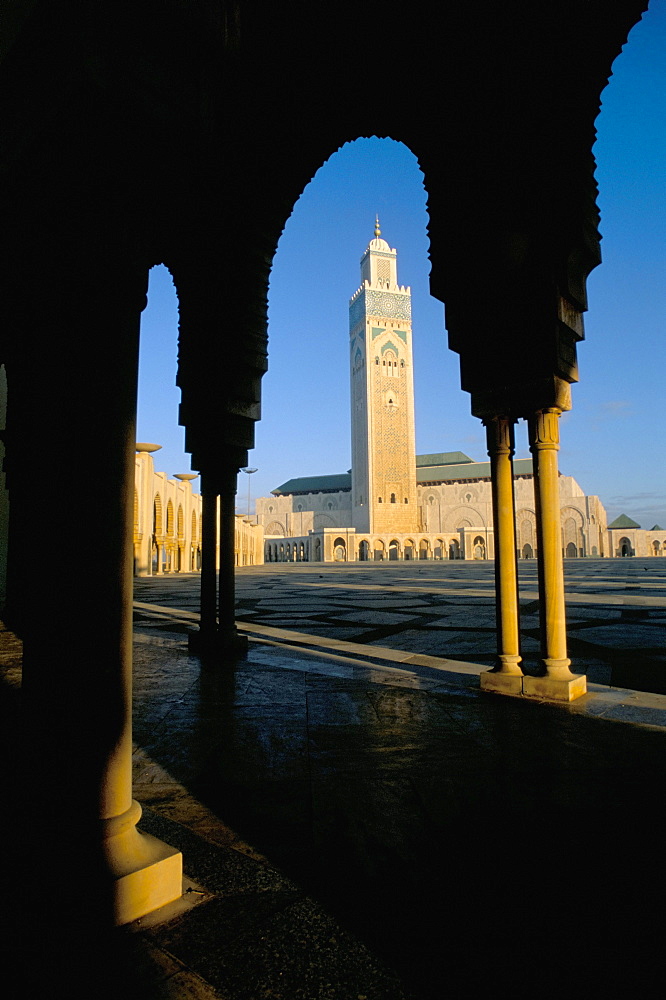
[656, 527]
[444, 458]
[468, 470]
[315, 484]
[623, 522]
[426, 472]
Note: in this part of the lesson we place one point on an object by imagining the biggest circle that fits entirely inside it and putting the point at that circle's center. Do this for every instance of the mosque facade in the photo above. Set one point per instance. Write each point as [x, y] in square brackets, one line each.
[395, 504]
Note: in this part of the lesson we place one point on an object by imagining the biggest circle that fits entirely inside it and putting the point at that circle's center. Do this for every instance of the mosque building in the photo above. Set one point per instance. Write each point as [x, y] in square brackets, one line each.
[395, 504]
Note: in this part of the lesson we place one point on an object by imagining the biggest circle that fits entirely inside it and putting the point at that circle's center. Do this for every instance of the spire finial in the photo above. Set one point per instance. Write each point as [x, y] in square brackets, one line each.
[378, 231]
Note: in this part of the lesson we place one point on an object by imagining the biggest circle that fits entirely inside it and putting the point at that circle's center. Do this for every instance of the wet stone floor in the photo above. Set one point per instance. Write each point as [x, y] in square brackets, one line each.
[370, 827]
[616, 610]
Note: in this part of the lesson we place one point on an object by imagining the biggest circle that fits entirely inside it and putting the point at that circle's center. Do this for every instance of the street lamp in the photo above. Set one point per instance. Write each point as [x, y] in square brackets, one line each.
[249, 472]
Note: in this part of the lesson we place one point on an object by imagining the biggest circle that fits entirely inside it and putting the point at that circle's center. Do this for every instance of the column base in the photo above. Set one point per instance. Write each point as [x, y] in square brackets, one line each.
[146, 873]
[232, 641]
[502, 682]
[212, 641]
[555, 689]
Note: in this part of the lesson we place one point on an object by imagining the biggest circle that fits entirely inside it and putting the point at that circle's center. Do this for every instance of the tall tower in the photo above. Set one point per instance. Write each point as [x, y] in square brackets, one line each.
[382, 396]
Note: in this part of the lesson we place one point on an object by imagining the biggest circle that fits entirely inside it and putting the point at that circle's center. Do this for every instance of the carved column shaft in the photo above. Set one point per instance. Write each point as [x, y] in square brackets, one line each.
[500, 441]
[558, 680]
[506, 677]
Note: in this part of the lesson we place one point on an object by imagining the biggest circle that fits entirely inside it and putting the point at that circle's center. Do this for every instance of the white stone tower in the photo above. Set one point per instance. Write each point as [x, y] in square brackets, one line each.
[382, 396]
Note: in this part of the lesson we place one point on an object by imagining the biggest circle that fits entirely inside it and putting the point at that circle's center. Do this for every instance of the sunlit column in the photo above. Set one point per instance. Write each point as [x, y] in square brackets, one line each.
[557, 682]
[507, 676]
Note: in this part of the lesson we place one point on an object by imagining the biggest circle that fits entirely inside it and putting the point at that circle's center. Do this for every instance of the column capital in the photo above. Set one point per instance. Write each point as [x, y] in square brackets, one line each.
[499, 435]
[544, 429]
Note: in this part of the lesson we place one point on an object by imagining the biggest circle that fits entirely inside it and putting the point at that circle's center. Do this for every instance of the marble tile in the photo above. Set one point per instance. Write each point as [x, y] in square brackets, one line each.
[373, 617]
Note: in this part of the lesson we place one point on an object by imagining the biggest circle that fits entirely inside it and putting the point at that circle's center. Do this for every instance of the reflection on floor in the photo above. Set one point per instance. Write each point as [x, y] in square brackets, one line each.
[383, 830]
[359, 822]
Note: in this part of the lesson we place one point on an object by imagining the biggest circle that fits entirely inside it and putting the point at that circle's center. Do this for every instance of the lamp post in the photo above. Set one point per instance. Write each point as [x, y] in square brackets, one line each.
[249, 472]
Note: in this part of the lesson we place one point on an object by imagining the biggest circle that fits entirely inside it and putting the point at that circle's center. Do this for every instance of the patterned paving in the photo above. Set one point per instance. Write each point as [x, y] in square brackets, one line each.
[366, 824]
[616, 610]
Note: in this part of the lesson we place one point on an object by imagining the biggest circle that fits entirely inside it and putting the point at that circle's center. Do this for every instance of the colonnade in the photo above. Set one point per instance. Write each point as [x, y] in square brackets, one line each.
[373, 548]
[557, 682]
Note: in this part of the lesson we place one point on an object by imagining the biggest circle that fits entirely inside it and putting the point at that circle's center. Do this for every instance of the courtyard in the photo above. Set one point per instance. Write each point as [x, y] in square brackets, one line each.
[360, 821]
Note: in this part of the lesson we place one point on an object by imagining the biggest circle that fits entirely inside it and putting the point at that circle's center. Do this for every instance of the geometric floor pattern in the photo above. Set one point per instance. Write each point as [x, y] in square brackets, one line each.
[359, 822]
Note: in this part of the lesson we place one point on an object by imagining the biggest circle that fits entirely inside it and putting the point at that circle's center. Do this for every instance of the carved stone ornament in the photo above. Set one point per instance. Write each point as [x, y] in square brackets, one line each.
[545, 429]
[499, 435]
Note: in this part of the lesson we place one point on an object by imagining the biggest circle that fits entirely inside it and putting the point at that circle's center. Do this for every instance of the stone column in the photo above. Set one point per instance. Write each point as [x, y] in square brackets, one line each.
[229, 638]
[506, 677]
[217, 632]
[208, 621]
[90, 864]
[558, 682]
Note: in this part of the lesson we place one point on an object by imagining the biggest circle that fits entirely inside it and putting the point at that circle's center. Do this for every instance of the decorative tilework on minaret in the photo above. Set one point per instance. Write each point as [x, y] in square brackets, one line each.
[382, 396]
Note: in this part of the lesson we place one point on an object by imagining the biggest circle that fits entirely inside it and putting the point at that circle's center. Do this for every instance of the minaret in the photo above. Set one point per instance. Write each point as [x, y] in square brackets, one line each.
[382, 396]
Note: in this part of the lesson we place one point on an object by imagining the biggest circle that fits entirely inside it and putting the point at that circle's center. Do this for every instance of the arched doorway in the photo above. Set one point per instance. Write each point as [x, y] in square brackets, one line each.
[528, 551]
[571, 551]
[454, 549]
[379, 550]
[625, 547]
[394, 550]
[479, 548]
[363, 551]
[424, 549]
[339, 550]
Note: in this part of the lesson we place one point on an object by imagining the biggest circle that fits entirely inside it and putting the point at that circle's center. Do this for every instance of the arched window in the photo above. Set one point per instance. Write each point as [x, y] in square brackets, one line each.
[157, 515]
[393, 498]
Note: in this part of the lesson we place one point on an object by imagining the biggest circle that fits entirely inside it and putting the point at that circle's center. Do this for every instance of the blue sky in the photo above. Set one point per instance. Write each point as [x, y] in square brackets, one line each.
[612, 440]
